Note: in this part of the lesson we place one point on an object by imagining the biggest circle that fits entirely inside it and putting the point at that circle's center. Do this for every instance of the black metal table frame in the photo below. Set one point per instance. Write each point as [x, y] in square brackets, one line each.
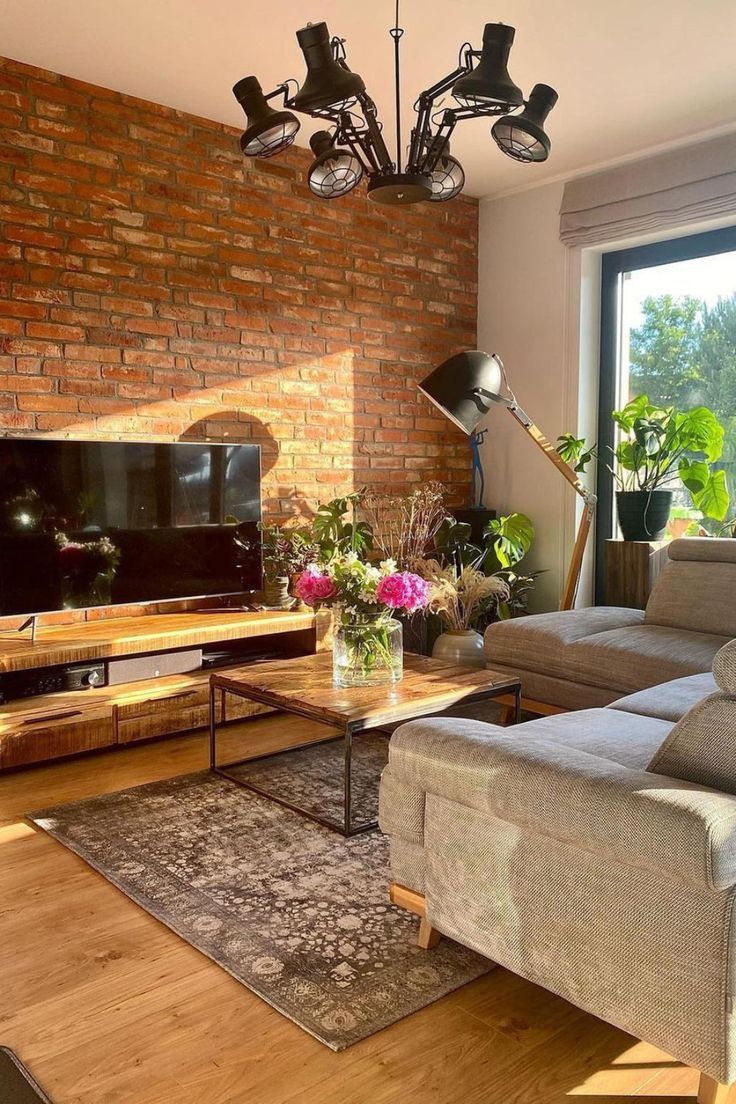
[347, 731]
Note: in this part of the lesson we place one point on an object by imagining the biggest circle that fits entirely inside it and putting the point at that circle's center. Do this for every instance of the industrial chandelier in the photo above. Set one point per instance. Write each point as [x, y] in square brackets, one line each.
[354, 145]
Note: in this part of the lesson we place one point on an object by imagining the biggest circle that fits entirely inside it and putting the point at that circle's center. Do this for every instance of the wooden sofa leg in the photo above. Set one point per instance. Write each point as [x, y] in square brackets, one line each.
[713, 1092]
[415, 902]
[428, 936]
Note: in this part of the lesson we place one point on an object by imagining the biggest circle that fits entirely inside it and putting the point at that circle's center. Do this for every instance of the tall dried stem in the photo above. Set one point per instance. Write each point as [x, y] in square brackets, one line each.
[404, 526]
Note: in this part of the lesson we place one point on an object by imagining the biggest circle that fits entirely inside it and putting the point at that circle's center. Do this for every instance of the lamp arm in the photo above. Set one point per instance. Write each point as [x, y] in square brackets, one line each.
[586, 521]
[551, 452]
[589, 499]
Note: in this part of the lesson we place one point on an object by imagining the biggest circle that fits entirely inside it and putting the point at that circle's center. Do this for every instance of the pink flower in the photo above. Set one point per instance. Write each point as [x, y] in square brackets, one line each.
[314, 586]
[403, 590]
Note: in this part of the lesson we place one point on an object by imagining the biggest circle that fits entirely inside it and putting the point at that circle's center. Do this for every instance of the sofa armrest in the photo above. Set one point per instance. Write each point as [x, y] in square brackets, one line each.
[682, 830]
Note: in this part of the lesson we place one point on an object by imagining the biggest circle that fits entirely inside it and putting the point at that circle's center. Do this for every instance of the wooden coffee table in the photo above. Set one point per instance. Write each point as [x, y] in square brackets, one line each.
[305, 687]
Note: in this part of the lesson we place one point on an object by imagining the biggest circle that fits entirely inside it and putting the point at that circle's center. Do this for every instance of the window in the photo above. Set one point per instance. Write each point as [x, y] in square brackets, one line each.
[668, 330]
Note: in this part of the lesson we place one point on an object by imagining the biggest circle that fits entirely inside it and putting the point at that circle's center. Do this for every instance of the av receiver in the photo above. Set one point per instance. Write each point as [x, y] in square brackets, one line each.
[51, 680]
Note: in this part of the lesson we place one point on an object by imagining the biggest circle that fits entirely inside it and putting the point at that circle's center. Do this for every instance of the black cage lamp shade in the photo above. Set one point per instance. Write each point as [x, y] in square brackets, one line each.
[489, 83]
[447, 177]
[335, 171]
[329, 83]
[464, 386]
[269, 131]
[522, 136]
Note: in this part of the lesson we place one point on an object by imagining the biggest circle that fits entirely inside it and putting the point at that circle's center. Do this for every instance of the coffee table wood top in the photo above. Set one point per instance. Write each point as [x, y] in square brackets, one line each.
[305, 686]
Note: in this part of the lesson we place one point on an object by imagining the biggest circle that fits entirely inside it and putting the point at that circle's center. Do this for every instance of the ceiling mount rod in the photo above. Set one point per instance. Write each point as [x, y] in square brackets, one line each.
[396, 32]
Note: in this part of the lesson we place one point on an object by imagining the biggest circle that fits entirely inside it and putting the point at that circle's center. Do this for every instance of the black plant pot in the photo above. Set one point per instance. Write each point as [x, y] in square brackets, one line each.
[643, 515]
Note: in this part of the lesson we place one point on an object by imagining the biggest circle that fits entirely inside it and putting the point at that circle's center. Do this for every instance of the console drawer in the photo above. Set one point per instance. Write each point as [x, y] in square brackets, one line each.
[179, 712]
[235, 708]
[28, 737]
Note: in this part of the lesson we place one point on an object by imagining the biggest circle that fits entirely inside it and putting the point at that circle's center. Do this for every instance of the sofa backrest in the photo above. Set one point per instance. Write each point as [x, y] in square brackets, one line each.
[697, 588]
[701, 748]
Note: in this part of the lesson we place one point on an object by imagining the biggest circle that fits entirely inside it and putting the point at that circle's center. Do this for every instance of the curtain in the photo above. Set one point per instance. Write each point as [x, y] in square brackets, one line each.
[668, 190]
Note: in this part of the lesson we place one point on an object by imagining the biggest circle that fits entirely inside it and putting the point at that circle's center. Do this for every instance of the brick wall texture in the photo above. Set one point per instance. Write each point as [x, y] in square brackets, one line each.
[151, 283]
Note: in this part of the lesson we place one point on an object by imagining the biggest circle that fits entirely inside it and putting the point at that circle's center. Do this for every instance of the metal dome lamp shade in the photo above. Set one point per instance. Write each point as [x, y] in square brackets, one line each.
[269, 131]
[463, 388]
[522, 136]
[489, 83]
[336, 171]
[329, 83]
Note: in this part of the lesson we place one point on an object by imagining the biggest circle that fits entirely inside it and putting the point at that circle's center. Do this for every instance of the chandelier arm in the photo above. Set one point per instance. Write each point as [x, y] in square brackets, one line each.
[442, 86]
[478, 112]
[383, 157]
[435, 148]
[359, 143]
[282, 90]
[423, 107]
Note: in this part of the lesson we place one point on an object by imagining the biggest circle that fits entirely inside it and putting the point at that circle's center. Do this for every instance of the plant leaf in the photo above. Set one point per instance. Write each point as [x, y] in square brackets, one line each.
[713, 500]
[511, 538]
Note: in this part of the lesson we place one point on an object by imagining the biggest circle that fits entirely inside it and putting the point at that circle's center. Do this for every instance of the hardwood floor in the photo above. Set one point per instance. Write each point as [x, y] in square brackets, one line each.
[106, 1006]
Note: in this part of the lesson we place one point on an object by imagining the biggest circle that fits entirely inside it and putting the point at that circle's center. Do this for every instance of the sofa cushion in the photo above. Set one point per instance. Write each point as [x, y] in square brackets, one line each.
[670, 700]
[553, 690]
[690, 594]
[539, 642]
[624, 738]
[702, 746]
[634, 658]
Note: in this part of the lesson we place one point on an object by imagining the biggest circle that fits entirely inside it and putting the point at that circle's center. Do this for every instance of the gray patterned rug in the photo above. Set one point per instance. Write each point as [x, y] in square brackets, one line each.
[294, 911]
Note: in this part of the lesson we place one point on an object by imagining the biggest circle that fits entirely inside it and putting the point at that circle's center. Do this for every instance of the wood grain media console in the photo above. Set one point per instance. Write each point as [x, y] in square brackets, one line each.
[36, 729]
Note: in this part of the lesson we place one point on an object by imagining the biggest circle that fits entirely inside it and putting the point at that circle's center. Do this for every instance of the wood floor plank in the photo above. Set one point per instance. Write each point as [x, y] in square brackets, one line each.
[107, 1006]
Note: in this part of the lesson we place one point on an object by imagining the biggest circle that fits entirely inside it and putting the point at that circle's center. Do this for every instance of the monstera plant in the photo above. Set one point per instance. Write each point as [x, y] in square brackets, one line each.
[660, 446]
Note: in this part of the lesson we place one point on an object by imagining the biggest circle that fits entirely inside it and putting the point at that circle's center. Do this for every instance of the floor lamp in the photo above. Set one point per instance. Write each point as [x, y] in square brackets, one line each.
[463, 388]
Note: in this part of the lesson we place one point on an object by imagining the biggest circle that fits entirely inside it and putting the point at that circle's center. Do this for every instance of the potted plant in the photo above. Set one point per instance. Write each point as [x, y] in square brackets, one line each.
[472, 586]
[660, 446]
[510, 537]
[460, 596]
[286, 553]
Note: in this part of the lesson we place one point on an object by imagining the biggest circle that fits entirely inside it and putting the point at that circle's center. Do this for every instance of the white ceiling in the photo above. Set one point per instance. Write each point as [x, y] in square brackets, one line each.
[631, 74]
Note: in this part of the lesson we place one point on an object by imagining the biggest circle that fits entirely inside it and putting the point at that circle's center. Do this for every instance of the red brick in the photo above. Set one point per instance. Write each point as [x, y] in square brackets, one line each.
[150, 283]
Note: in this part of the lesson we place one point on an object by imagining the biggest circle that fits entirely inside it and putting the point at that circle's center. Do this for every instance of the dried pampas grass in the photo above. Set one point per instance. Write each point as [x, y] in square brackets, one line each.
[459, 599]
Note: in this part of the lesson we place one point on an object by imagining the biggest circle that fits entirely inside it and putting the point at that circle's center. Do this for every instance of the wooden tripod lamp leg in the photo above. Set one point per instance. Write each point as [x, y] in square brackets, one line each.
[569, 473]
[576, 563]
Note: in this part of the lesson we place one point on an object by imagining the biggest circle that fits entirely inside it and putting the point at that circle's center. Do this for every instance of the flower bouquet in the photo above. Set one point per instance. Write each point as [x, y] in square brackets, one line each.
[87, 570]
[368, 647]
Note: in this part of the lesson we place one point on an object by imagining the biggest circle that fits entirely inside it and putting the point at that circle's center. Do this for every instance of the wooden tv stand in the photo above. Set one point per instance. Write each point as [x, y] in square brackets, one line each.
[37, 729]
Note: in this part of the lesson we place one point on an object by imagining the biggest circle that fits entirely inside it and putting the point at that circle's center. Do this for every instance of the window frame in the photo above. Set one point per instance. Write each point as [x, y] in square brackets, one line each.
[613, 267]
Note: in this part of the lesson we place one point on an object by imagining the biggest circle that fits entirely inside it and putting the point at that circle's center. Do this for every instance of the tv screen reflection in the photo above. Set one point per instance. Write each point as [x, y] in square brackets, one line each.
[90, 523]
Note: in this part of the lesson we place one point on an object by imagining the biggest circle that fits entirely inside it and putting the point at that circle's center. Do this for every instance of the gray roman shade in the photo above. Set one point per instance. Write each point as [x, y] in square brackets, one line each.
[691, 184]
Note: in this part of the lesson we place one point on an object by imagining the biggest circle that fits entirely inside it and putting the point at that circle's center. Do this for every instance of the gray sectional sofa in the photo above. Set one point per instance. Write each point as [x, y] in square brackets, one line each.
[591, 852]
[594, 851]
[578, 659]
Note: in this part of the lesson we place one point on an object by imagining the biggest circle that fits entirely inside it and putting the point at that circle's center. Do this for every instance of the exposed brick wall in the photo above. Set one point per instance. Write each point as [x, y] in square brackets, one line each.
[150, 284]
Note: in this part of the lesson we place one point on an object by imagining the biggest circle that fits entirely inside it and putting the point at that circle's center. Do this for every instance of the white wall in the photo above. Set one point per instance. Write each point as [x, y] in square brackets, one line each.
[529, 313]
[539, 309]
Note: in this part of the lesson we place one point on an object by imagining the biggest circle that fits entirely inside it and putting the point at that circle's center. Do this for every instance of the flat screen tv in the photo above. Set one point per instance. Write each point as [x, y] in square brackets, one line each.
[91, 523]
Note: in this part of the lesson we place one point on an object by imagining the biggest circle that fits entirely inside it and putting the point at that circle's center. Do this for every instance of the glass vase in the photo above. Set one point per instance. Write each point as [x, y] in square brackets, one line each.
[82, 590]
[368, 651]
